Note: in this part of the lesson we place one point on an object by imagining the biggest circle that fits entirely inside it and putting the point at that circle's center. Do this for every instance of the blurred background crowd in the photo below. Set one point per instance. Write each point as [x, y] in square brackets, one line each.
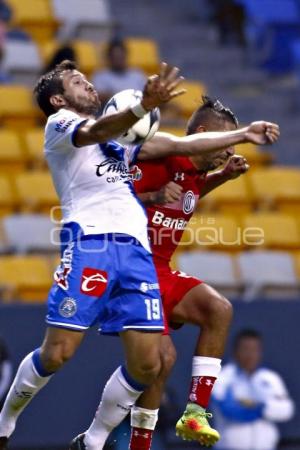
[245, 52]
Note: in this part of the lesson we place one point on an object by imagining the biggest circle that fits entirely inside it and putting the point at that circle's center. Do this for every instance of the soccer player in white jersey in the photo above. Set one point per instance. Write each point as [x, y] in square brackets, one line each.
[106, 259]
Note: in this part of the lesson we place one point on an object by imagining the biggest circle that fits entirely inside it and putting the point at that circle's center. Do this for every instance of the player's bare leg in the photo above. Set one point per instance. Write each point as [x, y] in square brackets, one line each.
[144, 413]
[33, 374]
[142, 352]
[203, 306]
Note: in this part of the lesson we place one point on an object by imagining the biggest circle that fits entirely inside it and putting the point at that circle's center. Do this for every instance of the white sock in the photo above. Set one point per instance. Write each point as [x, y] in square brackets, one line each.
[206, 366]
[143, 418]
[119, 395]
[25, 386]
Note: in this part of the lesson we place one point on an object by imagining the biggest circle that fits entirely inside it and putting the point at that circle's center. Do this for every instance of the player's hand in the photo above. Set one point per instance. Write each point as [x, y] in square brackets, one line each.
[161, 88]
[262, 133]
[169, 193]
[235, 166]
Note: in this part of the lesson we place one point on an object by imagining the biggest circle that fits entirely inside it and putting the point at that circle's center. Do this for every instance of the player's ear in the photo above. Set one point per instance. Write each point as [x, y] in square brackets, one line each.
[57, 101]
[201, 129]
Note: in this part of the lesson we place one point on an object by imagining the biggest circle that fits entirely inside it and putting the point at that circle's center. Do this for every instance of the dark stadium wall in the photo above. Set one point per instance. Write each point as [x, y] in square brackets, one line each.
[67, 405]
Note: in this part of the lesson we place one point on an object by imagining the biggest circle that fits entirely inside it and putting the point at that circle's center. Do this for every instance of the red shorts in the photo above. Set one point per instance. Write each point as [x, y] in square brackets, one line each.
[173, 287]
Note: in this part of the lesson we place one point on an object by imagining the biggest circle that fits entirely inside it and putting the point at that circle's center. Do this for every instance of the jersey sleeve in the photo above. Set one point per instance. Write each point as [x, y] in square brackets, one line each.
[279, 406]
[61, 130]
[132, 152]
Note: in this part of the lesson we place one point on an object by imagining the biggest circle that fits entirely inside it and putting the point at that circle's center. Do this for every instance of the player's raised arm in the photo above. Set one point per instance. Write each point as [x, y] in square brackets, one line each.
[158, 90]
[164, 144]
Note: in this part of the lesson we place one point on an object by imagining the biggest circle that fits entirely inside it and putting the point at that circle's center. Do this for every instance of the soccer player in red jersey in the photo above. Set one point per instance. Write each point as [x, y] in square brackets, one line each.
[170, 188]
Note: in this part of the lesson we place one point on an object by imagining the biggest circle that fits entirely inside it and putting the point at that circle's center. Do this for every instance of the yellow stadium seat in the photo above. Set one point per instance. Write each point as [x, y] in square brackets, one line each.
[16, 107]
[177, 131]
[36, 192]
[254, 156]
[191, 100]
[231, 197]
[12, 157]
[33, 145]
[296, 256]
[8, 199]
[276, 186]
[47, 49]
[213, 231]
[143, 53]
[87, 56]
[271, 230]
[35, 17]
[25, 278]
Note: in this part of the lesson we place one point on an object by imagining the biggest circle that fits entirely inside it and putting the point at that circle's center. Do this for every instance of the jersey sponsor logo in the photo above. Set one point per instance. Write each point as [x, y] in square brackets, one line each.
[189, 202]
[117, 169]
[135, 173]
[65, 267]
[145, 287]
[93, 282]
[179, 176]
[68, 307]
[63, 124]
[160, 218]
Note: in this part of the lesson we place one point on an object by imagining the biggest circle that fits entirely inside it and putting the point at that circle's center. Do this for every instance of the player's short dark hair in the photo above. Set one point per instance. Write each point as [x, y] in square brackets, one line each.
[246, 333]
[210, 110]
[51, 84]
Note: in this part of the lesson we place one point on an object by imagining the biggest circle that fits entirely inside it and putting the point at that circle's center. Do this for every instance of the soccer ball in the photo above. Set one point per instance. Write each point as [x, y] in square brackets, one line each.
[142, 130]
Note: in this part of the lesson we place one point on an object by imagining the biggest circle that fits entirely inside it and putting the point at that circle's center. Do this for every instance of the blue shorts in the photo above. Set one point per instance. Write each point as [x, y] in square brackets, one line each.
[106, 279]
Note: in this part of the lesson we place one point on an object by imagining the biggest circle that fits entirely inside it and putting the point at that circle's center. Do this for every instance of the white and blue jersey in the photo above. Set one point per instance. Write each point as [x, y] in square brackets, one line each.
[106, 273]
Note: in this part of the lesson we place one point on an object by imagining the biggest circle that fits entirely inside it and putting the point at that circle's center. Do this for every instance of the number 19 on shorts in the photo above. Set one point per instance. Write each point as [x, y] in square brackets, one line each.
[153, 308]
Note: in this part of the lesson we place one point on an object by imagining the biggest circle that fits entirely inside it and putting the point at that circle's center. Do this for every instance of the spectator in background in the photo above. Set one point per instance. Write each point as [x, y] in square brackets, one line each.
[5, 16]
[117, 76]
[4, 75]
[65, 51]
[5, 372]
[249, 399]
[229, 16]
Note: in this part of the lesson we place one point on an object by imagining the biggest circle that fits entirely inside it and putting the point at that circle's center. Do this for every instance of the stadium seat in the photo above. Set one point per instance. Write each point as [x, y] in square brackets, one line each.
[22, 60]
[233, 196]
[191, 99]
[296, 257]
[8, 199]
[90, 19]
[33, 140]
[87, 56]
[254, 155]
[24, 278]
[86, 53]
[276, 186]
[268, 273]
[16, 107]
[177, 131]
[35, 17]
[271, 230]
[12, 157]
[36, 192]
[215, 268]
[30, 233]
[213, 231]
[143, 53]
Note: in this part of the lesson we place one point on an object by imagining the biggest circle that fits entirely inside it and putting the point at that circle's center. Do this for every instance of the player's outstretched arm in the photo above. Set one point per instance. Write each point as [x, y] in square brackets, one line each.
[164, 144]
[158, 90]
[235, 166]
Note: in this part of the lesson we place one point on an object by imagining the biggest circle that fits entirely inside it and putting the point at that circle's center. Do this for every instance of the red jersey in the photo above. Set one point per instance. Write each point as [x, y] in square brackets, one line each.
[166, 223]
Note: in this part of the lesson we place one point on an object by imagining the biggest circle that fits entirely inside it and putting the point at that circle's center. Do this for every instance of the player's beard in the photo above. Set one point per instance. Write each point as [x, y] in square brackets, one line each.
[83, 106]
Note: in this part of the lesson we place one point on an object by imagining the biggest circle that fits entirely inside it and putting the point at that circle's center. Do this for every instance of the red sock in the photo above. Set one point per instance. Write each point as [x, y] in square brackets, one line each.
[200, 390]
[140, 439]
